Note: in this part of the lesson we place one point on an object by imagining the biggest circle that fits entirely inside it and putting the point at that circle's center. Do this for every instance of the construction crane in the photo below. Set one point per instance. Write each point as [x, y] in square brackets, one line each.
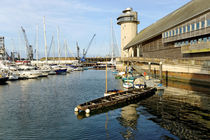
[85, 51]
[29, 48]
[77, 51]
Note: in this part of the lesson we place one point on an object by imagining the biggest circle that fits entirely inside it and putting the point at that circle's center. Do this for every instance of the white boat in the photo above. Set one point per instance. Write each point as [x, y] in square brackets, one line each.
[13, 76]
[128, 85]
[78, 69]
[30, 74]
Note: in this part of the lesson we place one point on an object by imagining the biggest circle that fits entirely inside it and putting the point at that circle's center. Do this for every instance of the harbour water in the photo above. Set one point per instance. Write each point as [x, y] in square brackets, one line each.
[44, 109]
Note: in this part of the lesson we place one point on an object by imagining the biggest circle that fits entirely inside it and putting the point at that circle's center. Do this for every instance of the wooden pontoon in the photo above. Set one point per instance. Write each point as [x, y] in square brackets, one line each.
[115, 99]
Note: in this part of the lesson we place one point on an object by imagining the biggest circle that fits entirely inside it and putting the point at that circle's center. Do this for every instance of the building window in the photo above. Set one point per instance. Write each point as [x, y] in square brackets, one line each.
[200, 40]
[195, 41]
[188, 28]
[173, 32]
[166, 34]
[186, 42]
[208, 22]
[169, 33]
[180, 30]
[176, 31]
[202, 24]
[208, 38]
[191, 42]
[193, 27]
[184, 29]
[197, 25]
[205, 39]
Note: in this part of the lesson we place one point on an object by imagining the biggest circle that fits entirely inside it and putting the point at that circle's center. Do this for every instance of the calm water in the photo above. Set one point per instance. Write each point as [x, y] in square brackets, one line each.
[44, 109]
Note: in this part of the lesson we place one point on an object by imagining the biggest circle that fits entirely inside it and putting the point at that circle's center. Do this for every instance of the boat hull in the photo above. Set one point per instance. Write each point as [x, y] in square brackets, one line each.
[61, 71]
[3, 80]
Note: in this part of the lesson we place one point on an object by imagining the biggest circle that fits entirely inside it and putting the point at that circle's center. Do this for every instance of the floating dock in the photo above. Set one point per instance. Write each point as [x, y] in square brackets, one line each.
[115, 99]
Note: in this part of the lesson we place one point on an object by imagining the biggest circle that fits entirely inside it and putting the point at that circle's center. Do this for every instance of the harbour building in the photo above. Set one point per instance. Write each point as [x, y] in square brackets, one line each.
[176, 47]
[184, 33]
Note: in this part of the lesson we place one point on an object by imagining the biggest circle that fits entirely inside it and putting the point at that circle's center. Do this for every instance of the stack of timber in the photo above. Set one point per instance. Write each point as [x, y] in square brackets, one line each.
[115, 99]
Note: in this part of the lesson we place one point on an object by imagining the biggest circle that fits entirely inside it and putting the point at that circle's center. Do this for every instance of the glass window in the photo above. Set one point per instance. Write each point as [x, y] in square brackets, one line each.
[208, 38]
[184, 29]
[176, 31]
[193, 27]
[169, 33]
[200, 40]
[202, 24]
[198, 25]
[166, 34]
[186, 42]
[180, 30]
[195, 41]
[205, 39]
[188, 28]
[208, 22]
[173, 32]
[191, 42]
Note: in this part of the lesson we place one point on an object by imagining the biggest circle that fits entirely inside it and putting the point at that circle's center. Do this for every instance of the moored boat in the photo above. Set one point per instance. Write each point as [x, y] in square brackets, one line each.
[128, 85]
[3, 79]
[115, 99]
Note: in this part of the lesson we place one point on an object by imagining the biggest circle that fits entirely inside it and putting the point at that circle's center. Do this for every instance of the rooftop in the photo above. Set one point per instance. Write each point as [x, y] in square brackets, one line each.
[186, 12]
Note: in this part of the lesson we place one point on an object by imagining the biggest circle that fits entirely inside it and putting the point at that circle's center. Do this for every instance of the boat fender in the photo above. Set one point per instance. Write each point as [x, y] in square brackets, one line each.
[76, 109]
[87, 110]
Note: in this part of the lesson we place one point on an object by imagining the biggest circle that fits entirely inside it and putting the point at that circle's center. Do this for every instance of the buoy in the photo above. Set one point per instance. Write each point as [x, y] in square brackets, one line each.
[87, 110]
[76, 109]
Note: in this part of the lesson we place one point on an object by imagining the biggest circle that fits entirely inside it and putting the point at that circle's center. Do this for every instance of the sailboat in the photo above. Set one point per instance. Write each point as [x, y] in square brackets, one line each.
[110, 92]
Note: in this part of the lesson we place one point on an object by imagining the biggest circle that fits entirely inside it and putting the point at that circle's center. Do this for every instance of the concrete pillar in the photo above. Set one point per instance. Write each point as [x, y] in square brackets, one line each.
[138, 49]
[132, 54]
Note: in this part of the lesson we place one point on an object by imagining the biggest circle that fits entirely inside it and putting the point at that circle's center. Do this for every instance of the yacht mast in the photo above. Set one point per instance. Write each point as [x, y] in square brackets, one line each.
[45, 40]
[58, 44]
[37, 42]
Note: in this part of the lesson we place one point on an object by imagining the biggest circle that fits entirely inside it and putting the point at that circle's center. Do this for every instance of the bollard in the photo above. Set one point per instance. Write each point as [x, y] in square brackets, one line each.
[160, 77]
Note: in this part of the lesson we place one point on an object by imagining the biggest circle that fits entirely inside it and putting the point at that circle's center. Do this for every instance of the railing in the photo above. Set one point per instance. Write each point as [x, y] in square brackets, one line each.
[196, 48]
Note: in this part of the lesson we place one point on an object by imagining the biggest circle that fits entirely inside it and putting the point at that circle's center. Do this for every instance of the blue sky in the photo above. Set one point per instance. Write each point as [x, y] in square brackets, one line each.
[78, 20]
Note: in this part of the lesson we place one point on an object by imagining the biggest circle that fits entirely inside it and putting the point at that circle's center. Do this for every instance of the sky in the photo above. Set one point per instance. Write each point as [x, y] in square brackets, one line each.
[77, 20]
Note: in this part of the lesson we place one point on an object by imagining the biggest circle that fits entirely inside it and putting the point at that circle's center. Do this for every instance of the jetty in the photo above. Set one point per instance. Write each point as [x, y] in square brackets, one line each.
[115, 99]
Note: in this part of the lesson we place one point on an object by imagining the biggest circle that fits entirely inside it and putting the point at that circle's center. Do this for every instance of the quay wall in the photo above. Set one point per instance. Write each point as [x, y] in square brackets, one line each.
[193, 71]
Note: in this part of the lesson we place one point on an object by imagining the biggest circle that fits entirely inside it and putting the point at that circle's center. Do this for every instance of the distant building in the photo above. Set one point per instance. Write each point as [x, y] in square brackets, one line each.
[2, 48]
[185, 33]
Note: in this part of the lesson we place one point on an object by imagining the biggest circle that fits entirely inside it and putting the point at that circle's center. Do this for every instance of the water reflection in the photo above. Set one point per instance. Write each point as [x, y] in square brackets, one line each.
[184, 113]
[129, 119]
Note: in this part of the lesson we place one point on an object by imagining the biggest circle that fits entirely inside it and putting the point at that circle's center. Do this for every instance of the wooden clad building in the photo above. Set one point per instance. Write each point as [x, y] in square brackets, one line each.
[185, 33]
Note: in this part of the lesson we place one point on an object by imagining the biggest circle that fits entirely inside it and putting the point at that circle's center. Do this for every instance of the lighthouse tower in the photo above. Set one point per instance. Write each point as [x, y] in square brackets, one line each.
[128, 21]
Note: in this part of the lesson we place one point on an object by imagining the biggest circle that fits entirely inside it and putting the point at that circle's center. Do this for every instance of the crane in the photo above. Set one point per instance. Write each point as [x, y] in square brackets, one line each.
[85, 51]
[29, 48]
